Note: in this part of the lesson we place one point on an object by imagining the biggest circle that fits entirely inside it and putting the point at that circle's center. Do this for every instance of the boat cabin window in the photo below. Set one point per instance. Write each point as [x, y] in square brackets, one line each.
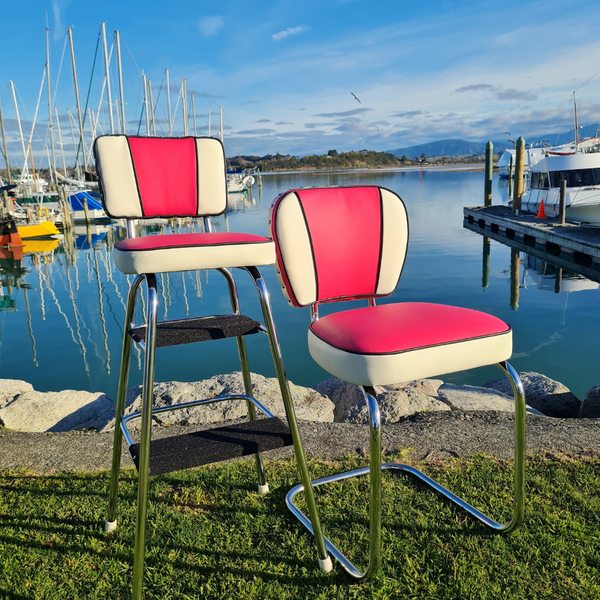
[582, 177]
[557, 177]
[575, 178]
[539, 181]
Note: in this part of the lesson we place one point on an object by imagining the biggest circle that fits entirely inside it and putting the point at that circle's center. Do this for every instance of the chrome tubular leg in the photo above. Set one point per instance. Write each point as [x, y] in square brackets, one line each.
[316, 529]
[519, 476]
[375, 482]
[374, 471]
[519, 468]
[263, 486]
[144, 458]
[111, 521]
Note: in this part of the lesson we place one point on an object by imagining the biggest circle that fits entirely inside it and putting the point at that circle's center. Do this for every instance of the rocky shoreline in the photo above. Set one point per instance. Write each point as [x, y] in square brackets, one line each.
[50, 432]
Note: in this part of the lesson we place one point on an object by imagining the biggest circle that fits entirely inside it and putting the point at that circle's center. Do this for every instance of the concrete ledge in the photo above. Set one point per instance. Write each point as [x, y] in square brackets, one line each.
[430, 436]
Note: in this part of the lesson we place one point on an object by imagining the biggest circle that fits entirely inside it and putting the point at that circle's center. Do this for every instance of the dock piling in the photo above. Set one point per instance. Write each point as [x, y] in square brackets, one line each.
[489, 169]
[86, 211]
[515, 262]
[563, 202]
[518, 189]
[485, 276]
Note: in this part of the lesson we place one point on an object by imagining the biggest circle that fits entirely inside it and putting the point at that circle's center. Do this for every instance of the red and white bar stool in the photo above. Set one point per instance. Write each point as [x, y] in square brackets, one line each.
[349, 243]
[145, 178]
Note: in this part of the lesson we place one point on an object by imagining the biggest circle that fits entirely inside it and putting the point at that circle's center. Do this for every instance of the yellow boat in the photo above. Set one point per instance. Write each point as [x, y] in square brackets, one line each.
[39, 246]
[37, 230]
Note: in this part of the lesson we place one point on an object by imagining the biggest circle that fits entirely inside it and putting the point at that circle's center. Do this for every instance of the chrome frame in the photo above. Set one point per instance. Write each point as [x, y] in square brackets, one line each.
[147, 410]
[376, 467]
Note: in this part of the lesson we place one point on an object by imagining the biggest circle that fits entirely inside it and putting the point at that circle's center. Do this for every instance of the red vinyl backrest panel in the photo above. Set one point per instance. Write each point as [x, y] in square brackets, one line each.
[345, 226]
[166, 171]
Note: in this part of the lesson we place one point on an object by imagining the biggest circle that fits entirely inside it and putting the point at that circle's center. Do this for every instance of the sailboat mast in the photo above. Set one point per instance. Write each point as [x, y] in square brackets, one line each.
[60, 142]
[12, 87]
[81, 140]
[151, 107]
[118, 38]
[184, 106]
[107, 70]
[145, 84]
[576, 125]
[169, 105]
[77, 167]
[52, 167]
[221, 121]
[4, 143]
[209, 121]
[194, 114]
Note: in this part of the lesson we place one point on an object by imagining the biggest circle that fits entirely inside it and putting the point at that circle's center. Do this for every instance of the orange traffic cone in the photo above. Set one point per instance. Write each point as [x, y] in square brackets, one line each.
[541, 212]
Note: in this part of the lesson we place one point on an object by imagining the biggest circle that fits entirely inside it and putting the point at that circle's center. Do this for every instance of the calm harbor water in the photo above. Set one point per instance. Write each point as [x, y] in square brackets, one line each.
[62, 308]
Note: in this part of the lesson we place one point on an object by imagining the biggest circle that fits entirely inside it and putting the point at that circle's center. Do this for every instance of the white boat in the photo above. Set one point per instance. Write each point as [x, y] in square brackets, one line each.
[530, 158]
[239, 182]
[534, 154]
[581, 171]
[27, 184]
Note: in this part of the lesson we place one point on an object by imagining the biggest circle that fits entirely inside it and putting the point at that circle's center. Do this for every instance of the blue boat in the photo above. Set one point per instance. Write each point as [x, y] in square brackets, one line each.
[95, 209]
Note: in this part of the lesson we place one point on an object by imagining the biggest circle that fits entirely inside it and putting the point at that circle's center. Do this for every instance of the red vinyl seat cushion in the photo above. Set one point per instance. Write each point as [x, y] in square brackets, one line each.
[393, 328]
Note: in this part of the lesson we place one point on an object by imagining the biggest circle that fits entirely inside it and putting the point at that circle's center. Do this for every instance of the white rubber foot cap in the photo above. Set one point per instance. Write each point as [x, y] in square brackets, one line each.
[110, 526]
[326, 564]
[263, 489]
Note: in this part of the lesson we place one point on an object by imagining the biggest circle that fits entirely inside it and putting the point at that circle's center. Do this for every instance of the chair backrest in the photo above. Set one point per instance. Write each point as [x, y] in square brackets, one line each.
[144, 177]
[338, 243]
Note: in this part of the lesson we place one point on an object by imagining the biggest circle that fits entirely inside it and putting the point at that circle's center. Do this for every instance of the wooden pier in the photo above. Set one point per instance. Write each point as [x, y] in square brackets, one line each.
[573, 246]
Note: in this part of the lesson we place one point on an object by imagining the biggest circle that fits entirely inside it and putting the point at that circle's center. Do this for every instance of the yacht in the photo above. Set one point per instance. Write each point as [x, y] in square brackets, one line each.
[581, 170]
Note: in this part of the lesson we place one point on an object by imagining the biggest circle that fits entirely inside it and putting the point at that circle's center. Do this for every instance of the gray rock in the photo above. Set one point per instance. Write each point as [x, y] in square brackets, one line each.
[309, 404]
[11, 388]
[54, 411]
[395, 401]
[550, 397]
[590, 405]
[468, 397]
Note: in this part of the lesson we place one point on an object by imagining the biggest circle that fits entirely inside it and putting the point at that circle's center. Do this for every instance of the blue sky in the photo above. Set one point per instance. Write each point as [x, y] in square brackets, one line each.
[284, 72]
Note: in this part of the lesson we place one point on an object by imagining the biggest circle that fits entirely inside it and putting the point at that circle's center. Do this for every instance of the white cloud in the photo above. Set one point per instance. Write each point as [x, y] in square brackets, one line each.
[289, 31]
[210, 25]
[59, 27]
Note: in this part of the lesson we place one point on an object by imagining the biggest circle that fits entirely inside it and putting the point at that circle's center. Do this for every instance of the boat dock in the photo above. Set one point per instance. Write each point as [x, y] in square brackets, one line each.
[571, 246]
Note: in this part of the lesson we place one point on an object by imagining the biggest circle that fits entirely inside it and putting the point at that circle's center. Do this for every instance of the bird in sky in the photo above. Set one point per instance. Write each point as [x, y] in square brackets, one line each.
[355, 97]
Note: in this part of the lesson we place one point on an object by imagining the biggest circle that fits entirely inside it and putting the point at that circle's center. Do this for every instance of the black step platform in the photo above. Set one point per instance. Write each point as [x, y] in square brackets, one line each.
[200, 329]
[214, 445]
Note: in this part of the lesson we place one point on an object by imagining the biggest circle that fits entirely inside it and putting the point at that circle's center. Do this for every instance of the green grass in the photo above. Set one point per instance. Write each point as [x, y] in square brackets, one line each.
[210, 535]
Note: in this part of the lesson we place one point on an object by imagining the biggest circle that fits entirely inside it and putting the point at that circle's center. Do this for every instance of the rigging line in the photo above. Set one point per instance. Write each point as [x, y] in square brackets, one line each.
[87, 99]
[156, 109]
[34, 116]
[135, 65]
[584, 83]
[59, 70]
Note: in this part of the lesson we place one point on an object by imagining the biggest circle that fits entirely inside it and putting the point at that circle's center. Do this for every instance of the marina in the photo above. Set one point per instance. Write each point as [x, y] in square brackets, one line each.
[70, 296]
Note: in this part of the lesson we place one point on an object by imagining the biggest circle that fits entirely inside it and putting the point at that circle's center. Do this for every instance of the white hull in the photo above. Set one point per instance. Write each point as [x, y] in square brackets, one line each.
[582, 200]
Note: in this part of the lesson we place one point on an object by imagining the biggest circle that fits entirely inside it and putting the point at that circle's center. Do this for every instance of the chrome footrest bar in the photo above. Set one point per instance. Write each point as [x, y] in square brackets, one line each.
[161, 409]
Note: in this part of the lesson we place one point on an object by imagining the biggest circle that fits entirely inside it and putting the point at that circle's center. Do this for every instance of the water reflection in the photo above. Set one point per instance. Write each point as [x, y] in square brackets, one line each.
[545, 271]
[62, 305]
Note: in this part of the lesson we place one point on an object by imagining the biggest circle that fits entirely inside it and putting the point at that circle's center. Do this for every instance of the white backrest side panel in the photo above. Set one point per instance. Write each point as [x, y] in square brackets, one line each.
[212, 180]
[395, 241]
[295, 249]
[120, 193]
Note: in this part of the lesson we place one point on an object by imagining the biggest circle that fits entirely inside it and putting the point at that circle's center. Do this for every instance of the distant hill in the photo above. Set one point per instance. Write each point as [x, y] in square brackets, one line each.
[464, 148]
[555, 139]
[447, 148]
